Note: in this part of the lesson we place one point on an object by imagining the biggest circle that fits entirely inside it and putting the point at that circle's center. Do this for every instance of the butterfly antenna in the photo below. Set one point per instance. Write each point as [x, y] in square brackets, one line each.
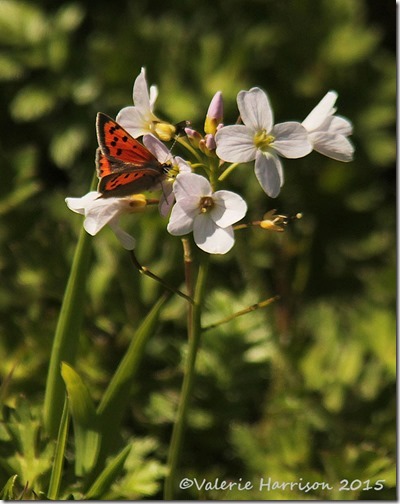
[147, 272]
[180, 131]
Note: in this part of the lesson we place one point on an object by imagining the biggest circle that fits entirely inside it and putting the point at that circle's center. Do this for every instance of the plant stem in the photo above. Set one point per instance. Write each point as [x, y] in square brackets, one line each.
[145, 271]
[227, 172]
[194, 334]
[67, 333]
[249, 309]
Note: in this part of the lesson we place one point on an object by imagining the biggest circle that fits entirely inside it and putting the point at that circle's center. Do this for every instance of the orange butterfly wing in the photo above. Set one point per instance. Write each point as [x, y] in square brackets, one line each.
[124, 166]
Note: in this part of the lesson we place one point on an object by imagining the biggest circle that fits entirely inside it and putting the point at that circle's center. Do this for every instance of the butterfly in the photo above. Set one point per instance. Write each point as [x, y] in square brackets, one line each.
[124, 165]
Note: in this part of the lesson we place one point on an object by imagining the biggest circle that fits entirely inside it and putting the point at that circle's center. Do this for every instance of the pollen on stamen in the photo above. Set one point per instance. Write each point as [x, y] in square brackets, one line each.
[262, 140]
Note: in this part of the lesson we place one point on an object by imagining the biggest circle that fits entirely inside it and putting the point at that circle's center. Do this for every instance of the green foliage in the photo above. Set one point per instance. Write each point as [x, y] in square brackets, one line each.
[304, 388]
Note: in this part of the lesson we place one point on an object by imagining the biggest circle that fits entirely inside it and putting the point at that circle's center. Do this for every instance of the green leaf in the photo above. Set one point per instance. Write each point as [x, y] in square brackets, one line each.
[28, 456]
[31, 103]
[87, 437]
[116, 396]
[7, 493]
[108, 476]
[69, 17]
[56, 473]
[21, 23]
[66, 145]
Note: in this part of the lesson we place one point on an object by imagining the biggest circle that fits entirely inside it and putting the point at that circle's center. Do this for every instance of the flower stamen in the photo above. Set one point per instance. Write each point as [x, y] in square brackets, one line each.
[206, 204]
[262, 140]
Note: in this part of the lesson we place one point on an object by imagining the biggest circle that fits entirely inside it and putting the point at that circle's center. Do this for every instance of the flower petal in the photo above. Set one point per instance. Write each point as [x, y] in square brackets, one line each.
[79, 205]
[255, 109]
[167, 198]
[334, 146]
[153, 95]
[135, 123]
[100, 213]
[228, 208]
[191, 185]
[127, 241]
[180, 222]
[141, 97]
[324, 109]
[291, 140]
[235, 144]
[156, 147]
[184, 166]
[341, 125]
[269, 172]
[211, 238]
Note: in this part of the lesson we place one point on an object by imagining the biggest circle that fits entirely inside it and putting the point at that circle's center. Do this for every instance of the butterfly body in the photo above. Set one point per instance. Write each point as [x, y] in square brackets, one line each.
[124, 166]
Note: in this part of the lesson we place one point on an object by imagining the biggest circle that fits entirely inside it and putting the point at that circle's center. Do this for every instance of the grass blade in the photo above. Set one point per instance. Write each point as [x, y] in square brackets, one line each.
[116, 396]
[56, 473]
[108, 476]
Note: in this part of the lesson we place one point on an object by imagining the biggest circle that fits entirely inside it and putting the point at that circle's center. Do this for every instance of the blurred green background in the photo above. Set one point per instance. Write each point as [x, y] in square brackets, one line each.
[305, 388]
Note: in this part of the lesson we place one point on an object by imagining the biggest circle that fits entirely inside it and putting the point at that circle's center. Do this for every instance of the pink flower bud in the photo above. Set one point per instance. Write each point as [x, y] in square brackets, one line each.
[194, 136]
[215, 114]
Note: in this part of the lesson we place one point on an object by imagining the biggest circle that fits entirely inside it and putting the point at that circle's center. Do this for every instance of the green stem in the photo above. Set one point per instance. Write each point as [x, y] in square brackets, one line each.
[66, 337]
[67, 333]
[194, 333]
[187, 146]
[214, 163]
[227, 172]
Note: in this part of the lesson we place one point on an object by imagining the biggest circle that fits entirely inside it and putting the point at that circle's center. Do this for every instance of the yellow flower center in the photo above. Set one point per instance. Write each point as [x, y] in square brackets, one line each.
[263, 141]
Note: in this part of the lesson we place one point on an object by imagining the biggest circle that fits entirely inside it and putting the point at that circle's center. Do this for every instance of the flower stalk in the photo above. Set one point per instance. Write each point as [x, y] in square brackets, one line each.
[194, 336]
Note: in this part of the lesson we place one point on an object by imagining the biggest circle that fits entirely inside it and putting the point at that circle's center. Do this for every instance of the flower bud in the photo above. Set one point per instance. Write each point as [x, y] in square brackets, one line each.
[210, 142]
[194, 137]
[207, 145]
[214, 114]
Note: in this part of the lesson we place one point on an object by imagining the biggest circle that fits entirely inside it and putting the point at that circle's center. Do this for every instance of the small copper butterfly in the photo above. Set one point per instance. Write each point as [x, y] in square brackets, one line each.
[124, 165]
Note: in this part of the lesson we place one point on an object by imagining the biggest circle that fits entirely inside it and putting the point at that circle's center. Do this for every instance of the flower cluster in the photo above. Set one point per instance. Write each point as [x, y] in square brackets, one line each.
[191, 192]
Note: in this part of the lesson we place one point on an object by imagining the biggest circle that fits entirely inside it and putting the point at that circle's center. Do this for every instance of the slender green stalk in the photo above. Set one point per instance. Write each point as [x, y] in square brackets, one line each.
[67, 333]
[56, 472]
[249, 309]
[145, 271]
[194, 332]
[227, 172]
[187, 146]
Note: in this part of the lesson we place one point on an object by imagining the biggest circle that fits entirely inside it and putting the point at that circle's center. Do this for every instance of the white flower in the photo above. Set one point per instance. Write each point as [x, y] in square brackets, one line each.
[209, 215]
[140, 119]
[327, 132]
[257, 138]
[178, 165]
[101, 211]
